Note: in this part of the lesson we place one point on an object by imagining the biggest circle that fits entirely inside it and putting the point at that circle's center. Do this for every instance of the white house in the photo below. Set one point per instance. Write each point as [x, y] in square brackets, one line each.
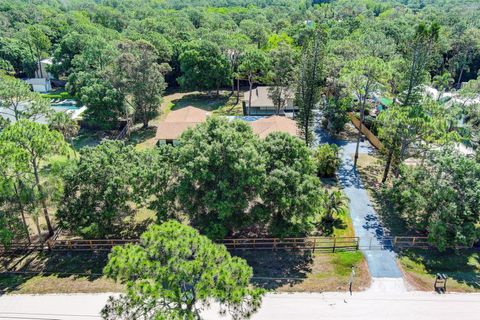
[39, 84]
[262, 104]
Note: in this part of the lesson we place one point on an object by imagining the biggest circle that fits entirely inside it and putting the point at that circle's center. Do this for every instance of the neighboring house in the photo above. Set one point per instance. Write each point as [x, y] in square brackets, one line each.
[178, 121]
[42, 81]
[42, 70]
[39, 84]
[262, 104]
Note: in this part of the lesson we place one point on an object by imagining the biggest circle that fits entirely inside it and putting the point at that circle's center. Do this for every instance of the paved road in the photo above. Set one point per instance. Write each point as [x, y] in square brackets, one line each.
[371, 305]
[381, 261]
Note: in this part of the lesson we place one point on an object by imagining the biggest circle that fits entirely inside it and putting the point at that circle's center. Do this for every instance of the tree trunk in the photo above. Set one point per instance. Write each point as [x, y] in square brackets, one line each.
[459, 82]
[145, 122]
[37, 224]
[387, 166]
[250, 83]
[44, 202]
[238, 90]
[22, 212]
[362, 111]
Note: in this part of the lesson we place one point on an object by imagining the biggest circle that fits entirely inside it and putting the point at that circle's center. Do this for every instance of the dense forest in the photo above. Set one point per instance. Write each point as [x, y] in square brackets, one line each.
[118, 58]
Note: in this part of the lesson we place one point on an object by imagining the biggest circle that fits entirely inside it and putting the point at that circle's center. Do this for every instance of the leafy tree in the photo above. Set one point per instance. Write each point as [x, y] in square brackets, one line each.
[253, 66]
[442, 83]
[63, 122]
[465, 48]
[327, 160]
[309, 85]
[38, 43]
[203, 67]
[19, 102]
[292, 196]
[139, 75]
[220, 175]
[98, 189]
[440, 198]
[174, 272]
[91, 81]
[37, 143]
[282, 75]
[364, 76]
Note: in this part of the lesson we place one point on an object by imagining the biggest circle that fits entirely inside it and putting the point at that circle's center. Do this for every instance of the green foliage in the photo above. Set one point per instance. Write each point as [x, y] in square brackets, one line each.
[138, 74]
[32, 143]
[97, 190]
[203, 66]
[440, 198]
[292, 194]
[17, 101]
[310, 81]
[220, 174]
[174, 272]
[327, 160]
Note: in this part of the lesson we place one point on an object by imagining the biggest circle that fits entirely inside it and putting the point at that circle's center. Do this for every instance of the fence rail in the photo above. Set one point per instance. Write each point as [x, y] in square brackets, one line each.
[370, 136]
[315, 244]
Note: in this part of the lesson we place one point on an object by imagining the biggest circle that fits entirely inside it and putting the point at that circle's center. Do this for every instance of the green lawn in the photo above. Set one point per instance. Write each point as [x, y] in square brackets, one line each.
[462, 268]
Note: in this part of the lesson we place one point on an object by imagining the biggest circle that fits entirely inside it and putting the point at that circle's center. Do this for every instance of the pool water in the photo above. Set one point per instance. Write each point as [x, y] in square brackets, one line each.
[66, 105]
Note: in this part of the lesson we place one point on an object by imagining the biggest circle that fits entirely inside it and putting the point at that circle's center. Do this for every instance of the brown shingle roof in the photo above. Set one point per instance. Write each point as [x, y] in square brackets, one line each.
[179, 121]
[265, 126]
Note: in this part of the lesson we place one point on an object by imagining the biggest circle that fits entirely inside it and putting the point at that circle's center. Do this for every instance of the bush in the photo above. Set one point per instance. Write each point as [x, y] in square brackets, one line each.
[60, 95]
[327, 160]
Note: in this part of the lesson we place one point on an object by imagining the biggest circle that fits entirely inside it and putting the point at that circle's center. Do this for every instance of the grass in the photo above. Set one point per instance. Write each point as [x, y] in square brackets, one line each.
[281, 271]
[421, 266]
[77, 272]
[292, 271]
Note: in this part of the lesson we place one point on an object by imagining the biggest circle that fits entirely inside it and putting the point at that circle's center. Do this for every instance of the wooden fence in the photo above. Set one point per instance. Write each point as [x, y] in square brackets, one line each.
[315, 244]
[370, 136]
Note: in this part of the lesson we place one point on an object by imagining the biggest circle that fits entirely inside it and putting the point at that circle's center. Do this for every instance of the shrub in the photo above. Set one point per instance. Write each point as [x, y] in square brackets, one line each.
[327, 159]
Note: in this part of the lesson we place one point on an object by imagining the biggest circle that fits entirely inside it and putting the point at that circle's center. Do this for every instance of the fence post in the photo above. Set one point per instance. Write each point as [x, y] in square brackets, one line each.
[49, 246]
[69, 244]
[395, 241]
[91, 244]
[234, 243]
[413, 242]
[274, 244]
[358, 243]
[314, 244]
[254, 243]
[334, 243]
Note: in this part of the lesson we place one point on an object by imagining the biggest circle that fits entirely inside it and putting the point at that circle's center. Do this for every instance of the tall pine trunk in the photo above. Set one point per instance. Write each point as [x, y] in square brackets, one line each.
[43, 199]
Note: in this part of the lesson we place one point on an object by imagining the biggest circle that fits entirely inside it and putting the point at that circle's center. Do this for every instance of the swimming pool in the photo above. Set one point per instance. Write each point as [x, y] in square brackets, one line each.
[65, 105]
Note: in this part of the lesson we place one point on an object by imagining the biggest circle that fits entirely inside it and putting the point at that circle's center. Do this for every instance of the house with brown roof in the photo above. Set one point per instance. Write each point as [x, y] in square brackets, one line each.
[262, 104]
[265, 126]
[178, 121]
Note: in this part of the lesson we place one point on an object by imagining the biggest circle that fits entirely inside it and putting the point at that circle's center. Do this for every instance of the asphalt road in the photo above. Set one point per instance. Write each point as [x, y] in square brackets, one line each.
[371, 305]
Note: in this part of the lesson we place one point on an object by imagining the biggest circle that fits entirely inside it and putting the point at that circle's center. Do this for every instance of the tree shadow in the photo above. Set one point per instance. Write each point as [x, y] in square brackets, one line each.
[201, 101]
[463, 266]
[328, 228]
[274, 269]
[141, 135]
[86, 265]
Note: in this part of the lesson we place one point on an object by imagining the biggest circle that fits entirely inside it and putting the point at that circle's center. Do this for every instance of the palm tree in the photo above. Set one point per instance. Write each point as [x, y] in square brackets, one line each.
[63, 123]
[337, 204]
[442, 83]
